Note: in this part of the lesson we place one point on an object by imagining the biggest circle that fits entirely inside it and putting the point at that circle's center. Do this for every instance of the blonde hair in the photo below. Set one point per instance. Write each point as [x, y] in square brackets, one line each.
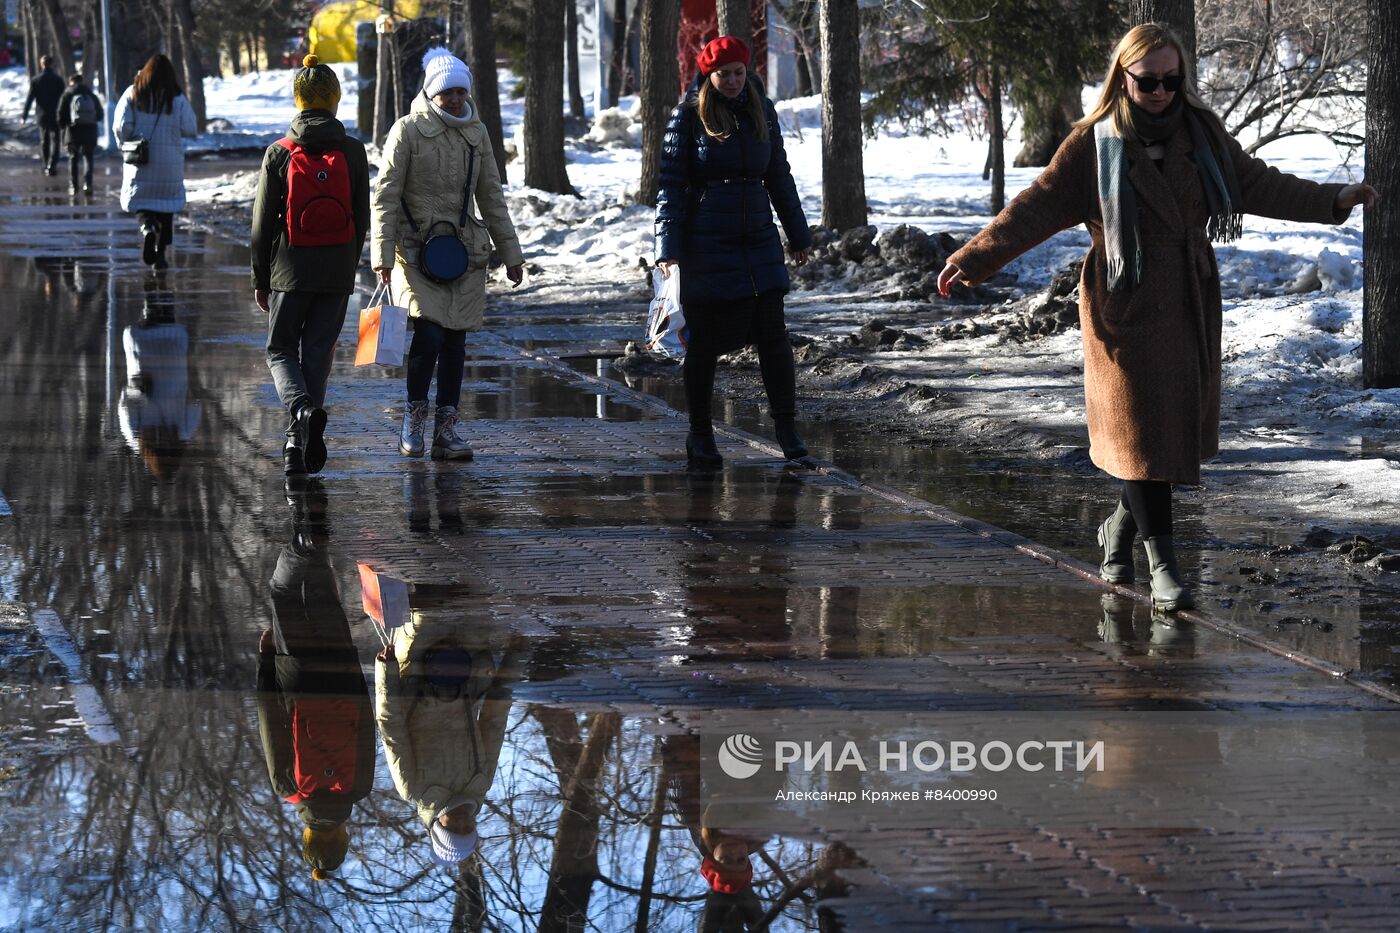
[1137, 43]
[718, 119]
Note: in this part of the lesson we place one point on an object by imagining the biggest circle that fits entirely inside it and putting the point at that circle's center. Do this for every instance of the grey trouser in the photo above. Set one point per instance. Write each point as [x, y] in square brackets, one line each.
[301, 334]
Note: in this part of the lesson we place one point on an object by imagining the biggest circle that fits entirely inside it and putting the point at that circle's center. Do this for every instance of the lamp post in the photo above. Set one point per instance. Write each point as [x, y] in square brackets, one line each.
[110, 138]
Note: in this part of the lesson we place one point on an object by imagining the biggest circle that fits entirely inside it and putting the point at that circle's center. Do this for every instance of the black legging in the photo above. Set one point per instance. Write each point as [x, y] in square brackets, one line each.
[768, 334]
[162, 221]
[1150, 501]
[436, 347]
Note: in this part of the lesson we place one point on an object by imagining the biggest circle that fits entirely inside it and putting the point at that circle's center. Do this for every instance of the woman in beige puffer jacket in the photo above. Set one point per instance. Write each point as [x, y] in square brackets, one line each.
[433, 158]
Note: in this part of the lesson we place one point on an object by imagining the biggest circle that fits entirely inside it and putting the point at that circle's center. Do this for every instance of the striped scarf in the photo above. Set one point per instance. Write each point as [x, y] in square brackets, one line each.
[1118, 201]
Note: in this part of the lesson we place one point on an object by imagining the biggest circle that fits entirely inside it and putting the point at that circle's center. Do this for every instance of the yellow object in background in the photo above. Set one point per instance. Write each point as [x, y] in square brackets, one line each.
[331, 36]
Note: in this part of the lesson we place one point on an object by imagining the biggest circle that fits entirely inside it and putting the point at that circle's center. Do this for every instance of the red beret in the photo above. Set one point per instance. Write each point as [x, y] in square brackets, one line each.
[726, 880]
[726, 50]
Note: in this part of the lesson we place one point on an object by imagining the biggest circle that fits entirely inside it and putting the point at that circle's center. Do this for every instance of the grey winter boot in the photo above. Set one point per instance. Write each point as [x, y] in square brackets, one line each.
[1169, 593]
[415, 416]
[446, 444]
[1116, 536]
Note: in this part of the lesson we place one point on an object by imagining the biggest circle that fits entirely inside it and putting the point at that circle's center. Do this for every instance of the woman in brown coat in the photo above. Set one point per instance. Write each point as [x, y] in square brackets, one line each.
[1155, 177]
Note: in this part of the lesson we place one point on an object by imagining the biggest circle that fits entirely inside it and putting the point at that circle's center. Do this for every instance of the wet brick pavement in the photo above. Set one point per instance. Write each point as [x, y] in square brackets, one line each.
[685, 602]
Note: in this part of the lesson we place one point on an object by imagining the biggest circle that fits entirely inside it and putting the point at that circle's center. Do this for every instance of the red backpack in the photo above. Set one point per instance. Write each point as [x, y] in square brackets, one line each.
[325, 745]
[318, 197]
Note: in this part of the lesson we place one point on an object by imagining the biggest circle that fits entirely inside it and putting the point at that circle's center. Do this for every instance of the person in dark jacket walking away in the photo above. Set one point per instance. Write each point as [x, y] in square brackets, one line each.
[723, 172]
[80, 114]
[44, 93]
[315, 721]
[310, 220]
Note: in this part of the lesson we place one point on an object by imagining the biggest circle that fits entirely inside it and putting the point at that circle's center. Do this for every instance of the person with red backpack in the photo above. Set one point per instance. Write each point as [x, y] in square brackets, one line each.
[310, 220]
[314, 714]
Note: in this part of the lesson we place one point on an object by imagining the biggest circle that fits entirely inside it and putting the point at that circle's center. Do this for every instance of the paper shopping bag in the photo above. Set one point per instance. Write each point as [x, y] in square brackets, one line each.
[383, 331]
[667, 333]
[384, 598]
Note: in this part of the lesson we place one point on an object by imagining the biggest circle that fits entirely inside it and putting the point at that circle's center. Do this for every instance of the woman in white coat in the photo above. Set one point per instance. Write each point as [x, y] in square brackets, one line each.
[155, 109]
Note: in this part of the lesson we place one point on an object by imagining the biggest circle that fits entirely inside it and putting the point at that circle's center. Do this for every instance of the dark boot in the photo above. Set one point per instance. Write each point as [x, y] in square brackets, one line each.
[150, 244]
[785, 430]
[310, 430]
[1116, 536]
[700, 449]
[292, 461]
[1169, 593]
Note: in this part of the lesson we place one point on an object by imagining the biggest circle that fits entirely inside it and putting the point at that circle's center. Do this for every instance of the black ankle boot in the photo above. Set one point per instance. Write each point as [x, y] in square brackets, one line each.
[701, 450]
[786, 432]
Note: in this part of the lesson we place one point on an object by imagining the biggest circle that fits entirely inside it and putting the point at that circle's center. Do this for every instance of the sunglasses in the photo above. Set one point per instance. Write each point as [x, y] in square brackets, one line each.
[1148, 84]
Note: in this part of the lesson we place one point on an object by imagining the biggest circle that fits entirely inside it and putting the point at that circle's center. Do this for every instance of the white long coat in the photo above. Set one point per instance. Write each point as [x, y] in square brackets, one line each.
[159, 185]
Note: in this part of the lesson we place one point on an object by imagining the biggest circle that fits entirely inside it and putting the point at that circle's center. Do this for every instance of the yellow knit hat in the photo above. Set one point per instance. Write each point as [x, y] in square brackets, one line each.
[324, 850]
[316, 87]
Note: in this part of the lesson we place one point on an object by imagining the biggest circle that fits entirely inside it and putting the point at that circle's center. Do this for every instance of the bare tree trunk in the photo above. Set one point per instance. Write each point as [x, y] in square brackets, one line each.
[385, 103]
[457, 27]
[660, 87]
[734, 20]
[60, 36]
[1180, 15]
[481, 56]
[843, 166]
[544, 99]
[998, 142]
[803, 15]
[1380, 318]
[617, 61]
[571, 50]
[31, 38]
[190, 57]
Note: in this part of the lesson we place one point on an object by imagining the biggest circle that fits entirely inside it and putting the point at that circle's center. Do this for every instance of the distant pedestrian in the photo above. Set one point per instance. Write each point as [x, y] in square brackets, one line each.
[80, 115]
[1154, 175]
[310, 219]
[44, 92]
[155, 110]
[437, 164]
[723, 173]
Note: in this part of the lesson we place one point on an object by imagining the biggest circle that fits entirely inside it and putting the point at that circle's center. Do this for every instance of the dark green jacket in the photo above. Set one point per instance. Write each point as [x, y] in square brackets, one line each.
[327, 269]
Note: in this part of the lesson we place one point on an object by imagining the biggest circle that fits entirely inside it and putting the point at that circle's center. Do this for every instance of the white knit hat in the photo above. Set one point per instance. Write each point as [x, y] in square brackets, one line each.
[442, 70]
[451, 848]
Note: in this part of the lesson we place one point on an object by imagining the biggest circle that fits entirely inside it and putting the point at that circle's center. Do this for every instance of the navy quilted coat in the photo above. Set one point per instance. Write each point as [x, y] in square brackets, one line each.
[714, 210]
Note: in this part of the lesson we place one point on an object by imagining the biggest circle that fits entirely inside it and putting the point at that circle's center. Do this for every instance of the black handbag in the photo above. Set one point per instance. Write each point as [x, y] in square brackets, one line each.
[443, 257]
[138, 151]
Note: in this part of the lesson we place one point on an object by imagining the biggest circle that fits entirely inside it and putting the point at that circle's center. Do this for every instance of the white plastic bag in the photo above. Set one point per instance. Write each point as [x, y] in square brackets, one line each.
[383, 331]
[667, 333]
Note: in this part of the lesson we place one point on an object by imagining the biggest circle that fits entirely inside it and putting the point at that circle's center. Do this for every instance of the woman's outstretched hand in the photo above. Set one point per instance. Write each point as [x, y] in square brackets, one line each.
[516, 274]
[1352, 195]
[947, 277]
[666, 266]
[801, 256]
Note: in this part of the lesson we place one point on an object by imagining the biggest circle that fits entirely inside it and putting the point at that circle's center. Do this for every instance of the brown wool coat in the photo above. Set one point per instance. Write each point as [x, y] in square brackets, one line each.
[1151, 354]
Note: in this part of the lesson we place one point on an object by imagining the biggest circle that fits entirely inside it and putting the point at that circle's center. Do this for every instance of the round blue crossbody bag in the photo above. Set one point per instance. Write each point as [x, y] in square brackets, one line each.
[443, 257]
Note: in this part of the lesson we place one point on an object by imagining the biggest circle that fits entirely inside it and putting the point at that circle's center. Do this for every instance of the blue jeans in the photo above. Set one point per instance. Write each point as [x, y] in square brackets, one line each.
[436, 347]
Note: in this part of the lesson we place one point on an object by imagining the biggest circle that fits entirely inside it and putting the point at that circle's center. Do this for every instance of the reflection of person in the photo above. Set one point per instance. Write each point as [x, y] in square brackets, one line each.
[437, 161]
[156, 414]
[442, 702]
[314, 714]
[306, 242]
[44, 92]
[156, 110]
[731, 903]
[1156, 178]
[80, 115]
[723, 171]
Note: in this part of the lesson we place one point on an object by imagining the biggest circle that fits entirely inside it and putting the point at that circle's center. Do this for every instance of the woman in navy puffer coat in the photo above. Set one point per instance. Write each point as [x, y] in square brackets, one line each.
[723, 172]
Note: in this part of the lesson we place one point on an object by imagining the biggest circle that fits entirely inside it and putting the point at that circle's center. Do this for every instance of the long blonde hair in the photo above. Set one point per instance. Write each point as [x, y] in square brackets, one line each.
[718, 119]
[1138, 42]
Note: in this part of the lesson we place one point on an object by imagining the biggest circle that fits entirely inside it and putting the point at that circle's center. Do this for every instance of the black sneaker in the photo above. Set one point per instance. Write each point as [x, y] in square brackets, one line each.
[311, 427]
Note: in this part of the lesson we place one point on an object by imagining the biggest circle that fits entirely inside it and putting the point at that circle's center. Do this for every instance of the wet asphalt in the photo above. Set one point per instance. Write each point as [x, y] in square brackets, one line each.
[602, 616]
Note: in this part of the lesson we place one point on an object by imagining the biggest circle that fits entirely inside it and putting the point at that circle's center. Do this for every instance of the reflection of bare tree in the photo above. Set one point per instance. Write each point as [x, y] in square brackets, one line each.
[574, 868]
